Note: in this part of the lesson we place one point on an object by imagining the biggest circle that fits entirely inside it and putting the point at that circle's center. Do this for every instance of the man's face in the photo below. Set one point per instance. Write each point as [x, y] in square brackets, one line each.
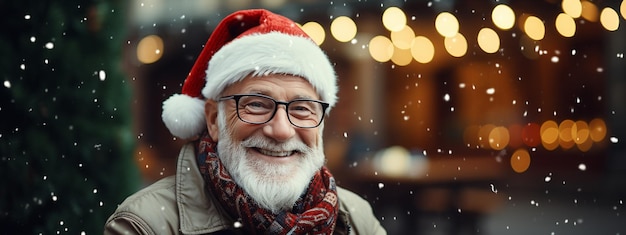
[273, 162]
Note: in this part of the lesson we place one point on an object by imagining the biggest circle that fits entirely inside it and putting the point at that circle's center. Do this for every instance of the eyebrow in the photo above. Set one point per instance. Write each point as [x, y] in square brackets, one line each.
[267, 93]
[259, 92]
[304, 97]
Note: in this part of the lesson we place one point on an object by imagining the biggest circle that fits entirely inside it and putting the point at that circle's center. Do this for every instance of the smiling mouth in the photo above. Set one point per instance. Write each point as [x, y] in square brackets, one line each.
[275, 153]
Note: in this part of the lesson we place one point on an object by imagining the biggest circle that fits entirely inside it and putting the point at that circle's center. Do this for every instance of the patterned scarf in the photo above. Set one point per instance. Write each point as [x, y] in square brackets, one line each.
[315, 212]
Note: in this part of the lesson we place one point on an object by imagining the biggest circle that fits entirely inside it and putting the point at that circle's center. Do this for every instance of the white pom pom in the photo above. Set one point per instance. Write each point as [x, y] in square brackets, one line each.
[184, 116]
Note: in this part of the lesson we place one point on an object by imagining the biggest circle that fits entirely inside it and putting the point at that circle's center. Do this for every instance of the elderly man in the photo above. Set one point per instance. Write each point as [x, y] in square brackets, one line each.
[254, 104]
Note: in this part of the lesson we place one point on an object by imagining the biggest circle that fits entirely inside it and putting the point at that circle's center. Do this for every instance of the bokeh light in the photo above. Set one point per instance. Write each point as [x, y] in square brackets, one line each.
[534, 28]
[580, 132]
[394, 19]
[381, 48]
[609, 19]
[550, 135]
[565, 134]
[597, 129]
[590, 11]
[585, 146]
[565, 25]
[393, 47]
[520, 160]
[150, 49]
[530, 135]
[483, 135]
[499, 138]
[503, 16]
[572, 7]
[422, 49]
[456, 46]
[488, 40]
[343, 29]
[622, 9]
[403, 38]
[403, 41]
[315, 31]
[447, 24]
[401, 57]
[394, 161]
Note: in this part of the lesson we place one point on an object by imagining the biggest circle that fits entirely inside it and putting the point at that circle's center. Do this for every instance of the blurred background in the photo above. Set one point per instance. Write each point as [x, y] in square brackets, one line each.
[454, 117]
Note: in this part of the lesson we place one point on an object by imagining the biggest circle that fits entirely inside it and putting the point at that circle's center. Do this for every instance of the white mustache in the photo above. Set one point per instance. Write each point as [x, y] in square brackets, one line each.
[261, 142]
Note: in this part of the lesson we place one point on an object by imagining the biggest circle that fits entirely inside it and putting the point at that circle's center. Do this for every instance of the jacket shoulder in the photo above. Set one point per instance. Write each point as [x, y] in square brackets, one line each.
[360, 213]
[152, 210]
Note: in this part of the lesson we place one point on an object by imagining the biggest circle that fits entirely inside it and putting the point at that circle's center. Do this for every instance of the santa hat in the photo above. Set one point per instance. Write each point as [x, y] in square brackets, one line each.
[249, 42]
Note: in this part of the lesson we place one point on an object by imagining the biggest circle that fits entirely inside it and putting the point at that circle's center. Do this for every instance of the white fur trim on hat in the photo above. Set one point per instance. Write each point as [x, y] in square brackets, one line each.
[184, 115]
[271, 53]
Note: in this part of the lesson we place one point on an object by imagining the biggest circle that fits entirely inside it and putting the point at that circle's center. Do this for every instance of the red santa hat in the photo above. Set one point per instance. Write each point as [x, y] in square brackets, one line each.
[249, 42]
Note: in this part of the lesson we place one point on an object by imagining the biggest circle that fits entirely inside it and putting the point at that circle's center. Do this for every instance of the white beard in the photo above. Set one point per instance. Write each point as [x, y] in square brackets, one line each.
[272, 186]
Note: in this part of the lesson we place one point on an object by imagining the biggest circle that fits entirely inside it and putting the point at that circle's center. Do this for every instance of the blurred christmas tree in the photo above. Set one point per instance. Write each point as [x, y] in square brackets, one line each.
[66, 142]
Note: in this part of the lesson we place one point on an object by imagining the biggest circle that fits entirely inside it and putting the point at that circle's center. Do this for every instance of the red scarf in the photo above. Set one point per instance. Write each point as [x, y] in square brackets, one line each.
[315, 212]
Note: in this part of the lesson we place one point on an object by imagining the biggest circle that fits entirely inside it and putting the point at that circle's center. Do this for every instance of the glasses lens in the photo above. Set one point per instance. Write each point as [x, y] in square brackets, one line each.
[305, 113]
[255, 109]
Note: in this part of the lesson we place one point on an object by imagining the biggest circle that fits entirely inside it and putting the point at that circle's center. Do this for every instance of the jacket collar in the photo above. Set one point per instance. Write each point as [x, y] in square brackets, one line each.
[199, 211]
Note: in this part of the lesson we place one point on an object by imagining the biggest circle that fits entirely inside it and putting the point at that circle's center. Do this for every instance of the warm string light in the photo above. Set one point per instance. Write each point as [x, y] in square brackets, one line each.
[402, 46]
[549, 134]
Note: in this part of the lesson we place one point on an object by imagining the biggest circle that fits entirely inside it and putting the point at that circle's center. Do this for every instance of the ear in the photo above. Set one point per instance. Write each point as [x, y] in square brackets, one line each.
[210, 114]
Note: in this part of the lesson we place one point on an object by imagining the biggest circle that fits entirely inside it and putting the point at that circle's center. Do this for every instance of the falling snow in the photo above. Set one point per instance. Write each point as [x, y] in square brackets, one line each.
[102, 75]
[428, 113]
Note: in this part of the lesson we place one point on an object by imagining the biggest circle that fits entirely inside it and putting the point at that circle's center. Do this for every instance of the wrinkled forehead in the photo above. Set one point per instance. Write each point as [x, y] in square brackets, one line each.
[276, 85]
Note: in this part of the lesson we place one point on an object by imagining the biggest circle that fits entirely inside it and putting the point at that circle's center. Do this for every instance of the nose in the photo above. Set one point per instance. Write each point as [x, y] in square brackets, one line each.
[279, 128]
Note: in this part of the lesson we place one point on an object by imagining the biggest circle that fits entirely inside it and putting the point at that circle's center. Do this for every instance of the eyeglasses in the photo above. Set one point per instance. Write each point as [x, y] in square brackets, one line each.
[260, 109]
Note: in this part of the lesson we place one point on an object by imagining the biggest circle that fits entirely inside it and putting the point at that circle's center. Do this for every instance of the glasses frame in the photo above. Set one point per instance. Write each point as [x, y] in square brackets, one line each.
[237, 97]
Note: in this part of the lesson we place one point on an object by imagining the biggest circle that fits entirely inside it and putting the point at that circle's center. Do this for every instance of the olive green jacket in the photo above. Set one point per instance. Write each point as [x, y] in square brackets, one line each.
[181, 204]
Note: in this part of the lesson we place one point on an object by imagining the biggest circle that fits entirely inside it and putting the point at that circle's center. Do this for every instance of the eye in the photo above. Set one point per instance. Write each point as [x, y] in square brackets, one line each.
[256, 105]
[303, 109]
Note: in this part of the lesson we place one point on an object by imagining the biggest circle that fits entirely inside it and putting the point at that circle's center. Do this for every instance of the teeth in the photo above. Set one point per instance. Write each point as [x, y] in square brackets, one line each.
[273, 153]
